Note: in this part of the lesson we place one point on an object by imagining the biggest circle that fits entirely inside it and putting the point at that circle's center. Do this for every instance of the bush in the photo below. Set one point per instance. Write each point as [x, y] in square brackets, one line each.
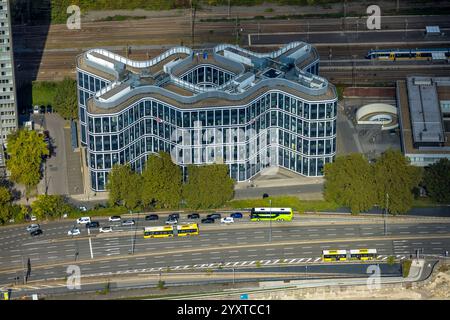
[406, 266]
[391, 260]
[161, 284]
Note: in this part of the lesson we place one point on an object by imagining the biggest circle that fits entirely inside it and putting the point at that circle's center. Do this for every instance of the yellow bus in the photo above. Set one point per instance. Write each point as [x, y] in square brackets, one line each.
[363, 254]
[183, 230]
[334, 255]
[274, 214]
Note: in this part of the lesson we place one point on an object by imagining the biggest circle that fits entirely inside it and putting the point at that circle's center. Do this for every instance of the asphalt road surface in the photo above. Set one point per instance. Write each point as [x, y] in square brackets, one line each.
[239, 245]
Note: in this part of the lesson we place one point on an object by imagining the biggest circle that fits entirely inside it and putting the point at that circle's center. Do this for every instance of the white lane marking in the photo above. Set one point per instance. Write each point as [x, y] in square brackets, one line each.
[317, 259]
[309, 259]
[276, 261]
[90, 246]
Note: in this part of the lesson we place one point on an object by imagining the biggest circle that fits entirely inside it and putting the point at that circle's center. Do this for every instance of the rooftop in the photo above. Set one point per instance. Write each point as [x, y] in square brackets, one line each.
[162, 76]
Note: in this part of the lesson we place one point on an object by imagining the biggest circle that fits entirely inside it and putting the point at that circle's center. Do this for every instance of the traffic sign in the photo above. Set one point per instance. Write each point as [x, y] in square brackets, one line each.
[244, 296]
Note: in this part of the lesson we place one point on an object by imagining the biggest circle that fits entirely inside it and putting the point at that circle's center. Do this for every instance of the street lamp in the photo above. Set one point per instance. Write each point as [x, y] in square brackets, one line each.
[270, 221]
[385, 213]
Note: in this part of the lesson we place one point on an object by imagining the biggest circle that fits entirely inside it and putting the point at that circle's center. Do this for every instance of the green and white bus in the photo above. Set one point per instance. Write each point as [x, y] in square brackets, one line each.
[274, 214]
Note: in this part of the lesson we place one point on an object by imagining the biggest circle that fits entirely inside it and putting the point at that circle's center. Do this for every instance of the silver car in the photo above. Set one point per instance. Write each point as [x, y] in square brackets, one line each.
[33, 227]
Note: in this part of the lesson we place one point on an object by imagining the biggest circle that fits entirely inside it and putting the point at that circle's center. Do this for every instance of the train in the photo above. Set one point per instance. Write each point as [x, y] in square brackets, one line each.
[404, 54]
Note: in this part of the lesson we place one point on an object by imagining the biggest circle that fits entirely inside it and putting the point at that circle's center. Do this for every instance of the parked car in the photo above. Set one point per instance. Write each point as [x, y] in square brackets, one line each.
[151, 217]
[36, 232]
[74, 232]
[83, 220]
[227, 220]
[83, 208]
[129, 222]
[114, 219]
[33, 227]
[236, 215]
[93, 224]
[208, 220]
[171, 221]
[193, 216]
[106, 229]
[214, 216]
[33, 218]
[174, 216]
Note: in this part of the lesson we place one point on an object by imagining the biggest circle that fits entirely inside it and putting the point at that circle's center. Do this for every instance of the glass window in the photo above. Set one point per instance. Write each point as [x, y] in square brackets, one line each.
[114, 142]
[186, 119]
[98, 125]
[218, 117]
[106, 143]
[314, 111]
[306, 110]
[226, 117]
[98, 144]
[202, 117]
[234, 116]
[242, 116]
[105, 121]
[107, 161]
[113, 124]
[210, 116]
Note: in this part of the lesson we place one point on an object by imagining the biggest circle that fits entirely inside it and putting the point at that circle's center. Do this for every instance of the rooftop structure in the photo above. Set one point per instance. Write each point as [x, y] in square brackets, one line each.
[424, 118]
[219, 87]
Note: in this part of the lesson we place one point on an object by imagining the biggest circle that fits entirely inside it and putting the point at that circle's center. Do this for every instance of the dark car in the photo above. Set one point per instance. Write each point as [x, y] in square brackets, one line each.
[207, 220]
[236, 215]
[214, 216]
[36, 232]
[151, 217]
[193, 216]
[93, 224]
[174, 216]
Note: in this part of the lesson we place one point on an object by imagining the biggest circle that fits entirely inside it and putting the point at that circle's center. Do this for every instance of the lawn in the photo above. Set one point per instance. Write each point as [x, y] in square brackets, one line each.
[43, 92]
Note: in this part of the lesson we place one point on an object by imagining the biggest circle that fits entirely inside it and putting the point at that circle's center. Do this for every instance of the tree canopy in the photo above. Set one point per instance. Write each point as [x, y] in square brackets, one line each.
[25, 150]
[124, 186]
[395, 180]
[65, 101]
[349, 182]
[162, 182]
[208, 186]
[50, 206]
[437, 181]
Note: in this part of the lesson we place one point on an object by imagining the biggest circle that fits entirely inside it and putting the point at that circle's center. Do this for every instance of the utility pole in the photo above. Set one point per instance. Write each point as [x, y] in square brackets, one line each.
[229, 8]
[406, 28]
[270, 221]
[386, 210]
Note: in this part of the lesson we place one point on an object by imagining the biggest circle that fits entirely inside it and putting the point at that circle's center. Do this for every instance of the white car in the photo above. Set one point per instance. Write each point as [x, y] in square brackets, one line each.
[227, 220]
[74, 232]
[114, 219]
[129, 222]
[83, 220]
[33, 227]
[33, 218]
[83, 208]
[106, 229]
[171, 221]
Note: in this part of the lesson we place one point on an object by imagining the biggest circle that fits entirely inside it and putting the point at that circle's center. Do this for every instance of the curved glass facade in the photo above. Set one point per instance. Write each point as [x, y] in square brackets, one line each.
[278, 126]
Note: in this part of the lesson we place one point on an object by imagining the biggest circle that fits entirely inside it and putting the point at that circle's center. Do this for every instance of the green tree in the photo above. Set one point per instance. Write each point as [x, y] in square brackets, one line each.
[395, 180]
[5, 202]
[436, 180]
[162, 182]
[25, 150]
[208, 186]
[124, 187]
[50, 206]
[349, 182]
[65, 101]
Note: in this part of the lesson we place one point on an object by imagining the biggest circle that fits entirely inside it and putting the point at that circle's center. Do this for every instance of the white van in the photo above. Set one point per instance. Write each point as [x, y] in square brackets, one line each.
[83, 220]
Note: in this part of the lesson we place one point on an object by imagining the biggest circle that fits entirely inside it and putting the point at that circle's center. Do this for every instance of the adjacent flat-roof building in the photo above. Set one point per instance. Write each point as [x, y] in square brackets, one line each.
[8, 98]
[424, 114]
[222, 105]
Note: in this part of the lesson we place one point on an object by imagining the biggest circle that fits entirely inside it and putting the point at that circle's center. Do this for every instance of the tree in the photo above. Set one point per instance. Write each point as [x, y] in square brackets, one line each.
[162, 182]
[5, 202]
[208, 186]
[26, 149]
[349, 182]
[50, 206]
[395, 180]
[65, 102]
[124, 186]
[437, 181]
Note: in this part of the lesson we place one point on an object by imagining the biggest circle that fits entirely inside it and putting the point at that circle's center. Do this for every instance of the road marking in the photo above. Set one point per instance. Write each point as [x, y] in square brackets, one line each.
[276, 261]
[268, 261]
[309, 259]
[317, 259]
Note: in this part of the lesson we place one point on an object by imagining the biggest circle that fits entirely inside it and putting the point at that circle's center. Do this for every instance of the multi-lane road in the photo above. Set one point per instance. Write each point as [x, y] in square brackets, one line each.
[243, 244]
